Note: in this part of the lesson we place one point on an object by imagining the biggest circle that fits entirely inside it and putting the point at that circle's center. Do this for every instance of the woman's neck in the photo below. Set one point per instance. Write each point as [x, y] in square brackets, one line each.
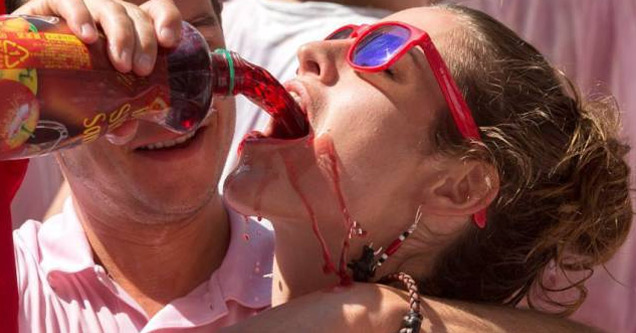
[300, 259]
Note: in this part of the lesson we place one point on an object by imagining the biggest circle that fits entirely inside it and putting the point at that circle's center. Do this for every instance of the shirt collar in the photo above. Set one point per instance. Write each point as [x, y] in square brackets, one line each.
[249, 256]
[63, 243]
[244, 275]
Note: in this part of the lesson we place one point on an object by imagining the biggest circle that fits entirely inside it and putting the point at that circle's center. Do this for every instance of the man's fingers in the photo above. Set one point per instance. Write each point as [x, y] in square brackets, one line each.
[119, 30]
[132, 32]
[167, 21]
[75, 13]
[145, 41]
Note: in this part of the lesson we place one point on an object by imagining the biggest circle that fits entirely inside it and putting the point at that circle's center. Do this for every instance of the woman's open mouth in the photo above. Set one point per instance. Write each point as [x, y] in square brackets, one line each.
[290, 126]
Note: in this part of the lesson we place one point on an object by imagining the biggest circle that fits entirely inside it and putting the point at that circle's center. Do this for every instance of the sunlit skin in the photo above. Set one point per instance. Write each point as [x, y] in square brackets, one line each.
[150, 214]
[380, 125]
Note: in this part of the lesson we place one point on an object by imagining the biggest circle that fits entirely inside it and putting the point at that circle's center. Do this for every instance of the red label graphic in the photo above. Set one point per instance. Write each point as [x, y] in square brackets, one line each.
[42, 50]
[14, 54]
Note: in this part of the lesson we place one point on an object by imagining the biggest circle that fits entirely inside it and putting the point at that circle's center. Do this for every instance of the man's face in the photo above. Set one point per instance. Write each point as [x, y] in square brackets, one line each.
[158, 184]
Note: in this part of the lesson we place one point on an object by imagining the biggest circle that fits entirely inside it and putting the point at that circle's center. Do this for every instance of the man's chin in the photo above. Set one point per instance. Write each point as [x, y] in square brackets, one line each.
[172, 207]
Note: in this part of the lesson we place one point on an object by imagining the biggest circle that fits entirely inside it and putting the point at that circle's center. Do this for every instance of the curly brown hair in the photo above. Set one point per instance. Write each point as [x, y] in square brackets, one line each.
[564, 195]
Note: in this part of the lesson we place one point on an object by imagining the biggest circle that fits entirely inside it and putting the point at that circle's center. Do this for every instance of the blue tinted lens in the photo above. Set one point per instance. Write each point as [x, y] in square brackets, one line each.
[380, 45]
[342, 34]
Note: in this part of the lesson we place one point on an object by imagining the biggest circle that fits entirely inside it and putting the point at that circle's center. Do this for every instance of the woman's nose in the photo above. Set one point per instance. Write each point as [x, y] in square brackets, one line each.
[320, 59]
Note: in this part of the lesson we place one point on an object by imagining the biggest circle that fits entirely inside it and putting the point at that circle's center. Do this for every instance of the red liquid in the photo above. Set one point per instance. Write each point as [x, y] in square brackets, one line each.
[328, 266]
[325, 150]
[260, 87]
[328, 151]
[246, 222]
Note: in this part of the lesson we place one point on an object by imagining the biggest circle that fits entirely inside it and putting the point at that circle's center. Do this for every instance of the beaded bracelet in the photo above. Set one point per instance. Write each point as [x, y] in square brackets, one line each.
[413, 319]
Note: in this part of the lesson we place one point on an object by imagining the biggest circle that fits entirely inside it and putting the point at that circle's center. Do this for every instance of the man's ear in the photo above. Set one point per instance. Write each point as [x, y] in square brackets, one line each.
[462, 188]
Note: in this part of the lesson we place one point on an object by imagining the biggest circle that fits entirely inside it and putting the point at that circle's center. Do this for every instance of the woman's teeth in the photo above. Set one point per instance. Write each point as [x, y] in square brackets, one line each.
[169, 143]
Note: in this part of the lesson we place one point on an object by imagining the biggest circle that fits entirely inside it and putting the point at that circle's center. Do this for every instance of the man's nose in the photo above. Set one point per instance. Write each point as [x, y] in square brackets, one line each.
[320, 59]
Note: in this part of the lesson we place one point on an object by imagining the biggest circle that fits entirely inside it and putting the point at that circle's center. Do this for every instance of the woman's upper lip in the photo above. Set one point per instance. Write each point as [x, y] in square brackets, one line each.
[298, 87]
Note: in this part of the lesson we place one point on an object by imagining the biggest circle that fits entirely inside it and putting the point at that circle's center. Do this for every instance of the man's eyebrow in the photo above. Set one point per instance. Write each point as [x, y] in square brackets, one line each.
[203, 20]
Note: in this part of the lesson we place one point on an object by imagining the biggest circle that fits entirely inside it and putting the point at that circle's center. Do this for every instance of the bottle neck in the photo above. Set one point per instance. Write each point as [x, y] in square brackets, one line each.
[231, 75]
[222, 68]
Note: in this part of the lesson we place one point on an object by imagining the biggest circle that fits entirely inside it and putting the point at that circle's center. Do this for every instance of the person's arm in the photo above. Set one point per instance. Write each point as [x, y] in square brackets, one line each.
[377, 308]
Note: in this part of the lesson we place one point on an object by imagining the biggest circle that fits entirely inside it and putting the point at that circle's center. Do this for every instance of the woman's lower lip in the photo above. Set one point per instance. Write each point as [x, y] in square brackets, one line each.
[256, 137]
[256, 141]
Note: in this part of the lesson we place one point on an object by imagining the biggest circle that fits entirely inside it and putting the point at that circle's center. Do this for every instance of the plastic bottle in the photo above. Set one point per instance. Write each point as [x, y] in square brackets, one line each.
[56, 92]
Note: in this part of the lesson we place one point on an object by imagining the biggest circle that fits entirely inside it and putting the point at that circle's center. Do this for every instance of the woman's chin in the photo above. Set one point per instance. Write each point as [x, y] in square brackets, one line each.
[280, 180]
[253, 192]
[239, 192]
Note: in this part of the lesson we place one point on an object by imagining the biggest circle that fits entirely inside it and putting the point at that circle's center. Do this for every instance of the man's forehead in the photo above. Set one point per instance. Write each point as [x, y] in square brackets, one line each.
[190, 9]
[12, 5]
[193, 9]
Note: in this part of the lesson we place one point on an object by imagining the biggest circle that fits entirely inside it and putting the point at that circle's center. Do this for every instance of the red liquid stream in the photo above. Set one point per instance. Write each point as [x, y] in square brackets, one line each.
[246, 222]
[330, 153]
[326, 150]
[328, 266]
[260, 87]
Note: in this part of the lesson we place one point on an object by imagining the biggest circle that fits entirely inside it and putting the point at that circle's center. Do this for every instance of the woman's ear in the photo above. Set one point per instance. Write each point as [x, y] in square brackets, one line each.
[462, 189]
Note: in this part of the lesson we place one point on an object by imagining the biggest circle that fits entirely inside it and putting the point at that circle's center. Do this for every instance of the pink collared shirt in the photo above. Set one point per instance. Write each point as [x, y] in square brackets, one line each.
[63, 290]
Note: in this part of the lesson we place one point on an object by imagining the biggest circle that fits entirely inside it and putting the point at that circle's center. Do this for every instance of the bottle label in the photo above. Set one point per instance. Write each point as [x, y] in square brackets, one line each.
[42, 50]
[56, 92]
[22, 46]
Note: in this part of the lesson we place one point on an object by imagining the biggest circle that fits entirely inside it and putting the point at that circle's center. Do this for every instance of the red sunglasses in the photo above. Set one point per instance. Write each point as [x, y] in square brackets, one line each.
[378, 46]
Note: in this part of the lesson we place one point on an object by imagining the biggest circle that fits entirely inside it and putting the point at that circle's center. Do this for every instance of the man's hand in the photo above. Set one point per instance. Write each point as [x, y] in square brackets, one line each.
[133, 32]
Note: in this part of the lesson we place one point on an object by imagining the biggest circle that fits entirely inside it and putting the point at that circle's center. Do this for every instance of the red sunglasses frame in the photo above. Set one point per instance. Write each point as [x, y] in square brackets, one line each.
[458, 107]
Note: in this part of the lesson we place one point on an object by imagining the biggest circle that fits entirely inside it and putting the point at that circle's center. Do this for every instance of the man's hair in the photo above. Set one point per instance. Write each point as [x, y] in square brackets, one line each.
[218, 7]
[12, 5]
[565, 194]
